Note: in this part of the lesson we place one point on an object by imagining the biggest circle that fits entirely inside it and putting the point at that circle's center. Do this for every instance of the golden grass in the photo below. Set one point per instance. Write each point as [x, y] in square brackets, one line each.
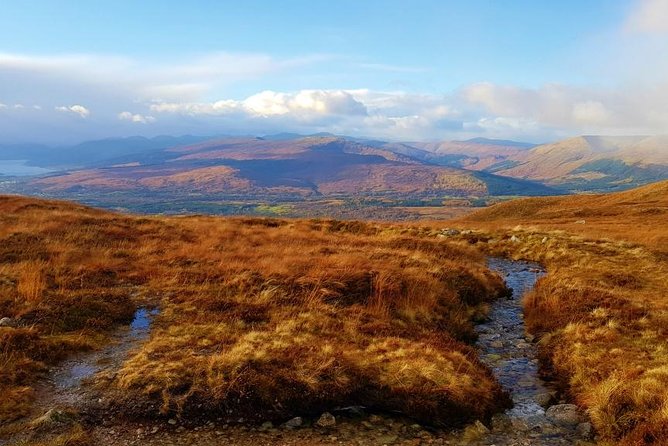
[259, 317]
[601, 312]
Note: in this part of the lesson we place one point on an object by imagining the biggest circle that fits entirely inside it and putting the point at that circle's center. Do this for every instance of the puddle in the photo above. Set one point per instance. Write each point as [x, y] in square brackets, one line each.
[142, 320]
[69, 375]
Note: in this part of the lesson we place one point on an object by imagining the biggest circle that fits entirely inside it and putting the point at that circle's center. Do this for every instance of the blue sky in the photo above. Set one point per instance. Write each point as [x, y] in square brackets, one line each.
[533, 70]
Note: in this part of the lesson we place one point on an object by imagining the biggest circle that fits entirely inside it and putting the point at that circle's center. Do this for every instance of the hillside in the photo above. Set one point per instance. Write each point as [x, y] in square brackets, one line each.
[306, 166]
[590, 163]
[288, 168]
[474, 154]
[255, 319]
[639, 215]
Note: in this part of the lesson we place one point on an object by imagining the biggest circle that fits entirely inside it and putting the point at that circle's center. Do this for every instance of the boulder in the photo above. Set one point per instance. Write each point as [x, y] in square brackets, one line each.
[7, 322]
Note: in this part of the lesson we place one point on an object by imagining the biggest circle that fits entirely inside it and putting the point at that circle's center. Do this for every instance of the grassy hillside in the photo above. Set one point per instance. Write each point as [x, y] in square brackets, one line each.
[601, 312]
[258, 318]
[591, 163]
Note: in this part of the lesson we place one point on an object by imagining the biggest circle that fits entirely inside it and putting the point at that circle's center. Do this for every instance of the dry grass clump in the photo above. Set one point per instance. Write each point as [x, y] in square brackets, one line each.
[259, 317]
[601, 311]
[265, 318]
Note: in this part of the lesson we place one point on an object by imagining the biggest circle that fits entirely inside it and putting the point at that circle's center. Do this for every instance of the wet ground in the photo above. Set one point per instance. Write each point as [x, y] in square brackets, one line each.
[511, 353]
[503, 344]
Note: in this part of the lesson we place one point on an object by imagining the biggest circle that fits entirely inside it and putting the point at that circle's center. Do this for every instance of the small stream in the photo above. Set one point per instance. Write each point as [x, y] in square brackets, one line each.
[509, 351]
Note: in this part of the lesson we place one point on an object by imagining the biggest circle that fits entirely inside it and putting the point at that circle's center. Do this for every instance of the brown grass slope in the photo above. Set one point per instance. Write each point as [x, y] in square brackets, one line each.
[261, 318]
[602, 310]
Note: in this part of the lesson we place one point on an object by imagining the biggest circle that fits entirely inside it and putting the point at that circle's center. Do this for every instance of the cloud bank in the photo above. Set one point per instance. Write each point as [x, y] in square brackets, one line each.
[73, 97]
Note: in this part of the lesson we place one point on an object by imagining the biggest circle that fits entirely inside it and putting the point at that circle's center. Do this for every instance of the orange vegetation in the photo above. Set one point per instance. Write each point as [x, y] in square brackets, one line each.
[259, 317]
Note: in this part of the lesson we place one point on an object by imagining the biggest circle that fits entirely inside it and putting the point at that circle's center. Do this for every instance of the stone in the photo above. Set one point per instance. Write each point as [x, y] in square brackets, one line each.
[7, 322]
[585, 431]
[515, 239]
[496, 344]
[564, 414]
[386, 439]
[475, 431]
[375, 419]
[544, 240]
[171, 421]
[326, 420]
[501, 423]
[294, 423]
[52, 416]
[450, 232]
[266, 426]
[154, 430]
[519, 425]
[544, 399]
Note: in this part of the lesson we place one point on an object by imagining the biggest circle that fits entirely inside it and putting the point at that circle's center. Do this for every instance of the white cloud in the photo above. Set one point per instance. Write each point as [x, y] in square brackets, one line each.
[649, 16]
[80, 110]
[590, 112]
[136, 118]
[304, 105]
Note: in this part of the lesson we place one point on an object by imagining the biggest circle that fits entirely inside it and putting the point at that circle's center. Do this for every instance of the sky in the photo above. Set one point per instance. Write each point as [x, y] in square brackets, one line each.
[528, 70]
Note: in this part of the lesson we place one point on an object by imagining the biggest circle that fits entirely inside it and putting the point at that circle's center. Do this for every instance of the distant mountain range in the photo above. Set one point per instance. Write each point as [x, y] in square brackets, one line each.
[293, 166]
[288, 167]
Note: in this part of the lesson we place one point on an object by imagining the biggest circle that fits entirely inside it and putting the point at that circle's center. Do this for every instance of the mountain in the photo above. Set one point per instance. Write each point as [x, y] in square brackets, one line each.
[308, 166]
[473, 154]
[91, 153]
[593, 163]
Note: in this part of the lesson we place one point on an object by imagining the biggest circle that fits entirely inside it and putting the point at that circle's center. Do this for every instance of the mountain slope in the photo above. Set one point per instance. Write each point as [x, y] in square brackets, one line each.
[639, 214]
[297, 167]
[594, 162]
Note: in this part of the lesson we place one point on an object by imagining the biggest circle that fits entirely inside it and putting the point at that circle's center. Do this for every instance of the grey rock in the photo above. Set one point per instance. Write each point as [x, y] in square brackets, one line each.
[294, 423]
[496, 344]
[326, 420]
[7, 322]
[564, 414]
[171, 421]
